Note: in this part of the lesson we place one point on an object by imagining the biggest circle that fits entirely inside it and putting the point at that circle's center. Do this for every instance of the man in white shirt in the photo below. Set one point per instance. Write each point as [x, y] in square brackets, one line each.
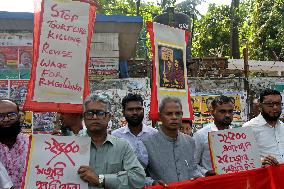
[268, 129]
[222, 111]
[5, 181]
[135, 130]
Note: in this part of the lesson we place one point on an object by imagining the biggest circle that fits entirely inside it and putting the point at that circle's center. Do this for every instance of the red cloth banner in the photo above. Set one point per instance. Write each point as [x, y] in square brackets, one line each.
[62, 37]
[169, 73]
[262, 178]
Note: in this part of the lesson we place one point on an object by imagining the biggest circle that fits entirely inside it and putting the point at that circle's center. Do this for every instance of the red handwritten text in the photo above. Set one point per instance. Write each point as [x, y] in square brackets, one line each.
[51, 173]
[53, 64]
[63, 37]
[63, 53]
[56, 184]
[54, 25]
[237, 167]
[64, 14]
[65, 84]
[231, 159]
[226, 137]
[62, 148]
[242, 146]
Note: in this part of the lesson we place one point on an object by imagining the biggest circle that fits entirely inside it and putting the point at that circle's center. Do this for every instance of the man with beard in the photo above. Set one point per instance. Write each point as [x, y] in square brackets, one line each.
[268, 129]
[169, 154]
[133, 111]
[13, 144]
[113, 163]
[222, 112]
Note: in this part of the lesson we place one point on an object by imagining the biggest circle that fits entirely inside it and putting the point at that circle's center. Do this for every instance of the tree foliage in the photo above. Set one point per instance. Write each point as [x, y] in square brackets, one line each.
[267, 41]
[212, 32]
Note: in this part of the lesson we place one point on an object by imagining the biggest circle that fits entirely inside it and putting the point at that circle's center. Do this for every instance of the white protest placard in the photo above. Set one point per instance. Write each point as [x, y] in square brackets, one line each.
[63, 32]
[54, 160]
[233, 150]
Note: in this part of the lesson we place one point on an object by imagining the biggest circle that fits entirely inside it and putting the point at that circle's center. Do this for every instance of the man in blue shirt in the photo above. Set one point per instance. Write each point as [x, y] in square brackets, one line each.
[135, 130]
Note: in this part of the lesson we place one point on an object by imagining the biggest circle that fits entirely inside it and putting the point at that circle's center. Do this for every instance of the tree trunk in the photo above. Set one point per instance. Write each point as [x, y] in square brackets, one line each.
[235, 46]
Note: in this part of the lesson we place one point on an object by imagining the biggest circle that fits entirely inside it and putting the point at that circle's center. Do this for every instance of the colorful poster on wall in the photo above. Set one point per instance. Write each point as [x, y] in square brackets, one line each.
[233, 150]
[25, 57]
[116, 89]
[201, 105]
[18, 90]
[63, 32]
[43, 122]
[26, 119]
[169, 67]
[8, 57]
[103, 68]
[4, 89]
[54, 161]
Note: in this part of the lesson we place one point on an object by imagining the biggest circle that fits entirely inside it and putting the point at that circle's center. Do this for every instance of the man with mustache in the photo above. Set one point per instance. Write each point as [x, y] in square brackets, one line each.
[113, 163]
[133, 111]
[13, 144]
[268, 129]
[169, 153]
[222, 112]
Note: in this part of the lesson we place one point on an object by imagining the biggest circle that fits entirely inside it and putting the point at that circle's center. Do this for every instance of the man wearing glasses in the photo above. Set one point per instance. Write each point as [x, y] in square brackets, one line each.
[13, 144]
[113, 163]
[170, 153]
[268, 129]
[222, 110]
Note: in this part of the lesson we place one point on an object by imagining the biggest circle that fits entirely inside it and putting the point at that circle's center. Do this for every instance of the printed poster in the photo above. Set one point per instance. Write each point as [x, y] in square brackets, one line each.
[4, 89]
[43, 123]
[54, 161]
[233, 150]
[18, 90]
[169, 67]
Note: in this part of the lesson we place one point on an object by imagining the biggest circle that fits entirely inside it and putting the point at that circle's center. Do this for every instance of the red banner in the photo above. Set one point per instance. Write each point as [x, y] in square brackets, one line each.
[62, 37]
[262, 178]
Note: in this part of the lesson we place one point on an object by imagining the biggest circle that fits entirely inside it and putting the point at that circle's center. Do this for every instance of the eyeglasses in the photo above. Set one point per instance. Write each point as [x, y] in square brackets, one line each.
[10, 115]
[99, 113]
[272, 104]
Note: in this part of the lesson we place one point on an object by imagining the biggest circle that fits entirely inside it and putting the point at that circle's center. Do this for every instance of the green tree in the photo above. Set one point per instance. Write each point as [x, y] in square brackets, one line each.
[212, 32]
[268, 30]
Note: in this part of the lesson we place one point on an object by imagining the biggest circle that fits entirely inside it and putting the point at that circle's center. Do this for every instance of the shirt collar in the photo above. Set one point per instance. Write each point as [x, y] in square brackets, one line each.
[261, 121]
[127, 130]
[214, 127]
[167, 137]
[109, 139]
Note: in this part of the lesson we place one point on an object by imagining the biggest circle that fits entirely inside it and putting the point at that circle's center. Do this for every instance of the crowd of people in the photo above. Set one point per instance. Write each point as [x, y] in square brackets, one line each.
[138, 155]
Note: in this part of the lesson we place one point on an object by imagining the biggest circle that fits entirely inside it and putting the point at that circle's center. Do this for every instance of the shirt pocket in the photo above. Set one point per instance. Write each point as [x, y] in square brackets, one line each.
[114, 168]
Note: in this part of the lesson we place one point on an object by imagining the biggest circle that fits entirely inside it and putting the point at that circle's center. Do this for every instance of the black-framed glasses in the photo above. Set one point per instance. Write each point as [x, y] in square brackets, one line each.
[272, 104]
[99, 113]
[10, 115]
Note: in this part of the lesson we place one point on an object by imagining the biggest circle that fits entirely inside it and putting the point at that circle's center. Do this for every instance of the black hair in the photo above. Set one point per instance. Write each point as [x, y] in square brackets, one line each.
[8, 99]
[219, 100]
[267, 92]
[187, 121]
[131, 97]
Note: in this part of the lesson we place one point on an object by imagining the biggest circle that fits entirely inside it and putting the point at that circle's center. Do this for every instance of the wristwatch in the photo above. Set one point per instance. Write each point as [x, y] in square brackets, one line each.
[101, 180]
